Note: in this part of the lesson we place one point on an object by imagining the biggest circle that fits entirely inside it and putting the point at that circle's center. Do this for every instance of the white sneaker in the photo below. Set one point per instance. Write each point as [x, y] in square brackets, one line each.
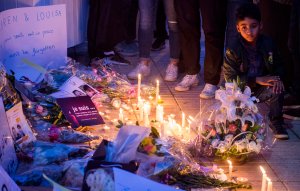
[208, 92]
[187, 82]
[142, 69]
[171, 73]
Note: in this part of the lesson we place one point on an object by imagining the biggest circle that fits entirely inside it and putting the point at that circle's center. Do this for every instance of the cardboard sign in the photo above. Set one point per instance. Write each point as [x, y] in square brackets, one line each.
[75, 87]
[131, 182]
[33, 40]
[6, 183]
[19, 127]
[8, 158]
[80, 111]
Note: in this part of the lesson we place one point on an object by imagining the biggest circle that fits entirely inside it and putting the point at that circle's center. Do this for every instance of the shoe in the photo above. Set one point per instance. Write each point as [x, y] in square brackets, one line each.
[187, 82]
[127, 49]
[292, 114]
[142, 69]
[291, 102]
[281, 133]
[208, 92]
[158, 45]
[171, 73]
[118, 60]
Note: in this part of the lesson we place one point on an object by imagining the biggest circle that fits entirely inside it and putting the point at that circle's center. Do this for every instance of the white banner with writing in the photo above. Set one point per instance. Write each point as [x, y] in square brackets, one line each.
[33, 40]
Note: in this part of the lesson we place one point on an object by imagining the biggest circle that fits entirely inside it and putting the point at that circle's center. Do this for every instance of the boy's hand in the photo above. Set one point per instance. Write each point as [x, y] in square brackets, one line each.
[273, 81]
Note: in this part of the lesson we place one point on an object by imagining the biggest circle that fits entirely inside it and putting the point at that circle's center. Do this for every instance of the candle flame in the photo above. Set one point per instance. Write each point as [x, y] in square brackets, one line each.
[268, 179]
[262, 170]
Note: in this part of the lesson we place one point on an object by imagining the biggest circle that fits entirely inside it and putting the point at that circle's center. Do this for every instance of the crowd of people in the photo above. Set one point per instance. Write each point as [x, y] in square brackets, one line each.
[256, 40]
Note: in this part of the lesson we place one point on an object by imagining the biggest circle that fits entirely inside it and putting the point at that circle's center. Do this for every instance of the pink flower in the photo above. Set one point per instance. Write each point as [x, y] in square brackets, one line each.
[39, 109]
[245, 127]
[213, 132]
[232, 128]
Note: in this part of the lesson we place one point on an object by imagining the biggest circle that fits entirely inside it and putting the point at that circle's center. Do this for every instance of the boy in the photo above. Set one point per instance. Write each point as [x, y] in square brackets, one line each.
[254, 58]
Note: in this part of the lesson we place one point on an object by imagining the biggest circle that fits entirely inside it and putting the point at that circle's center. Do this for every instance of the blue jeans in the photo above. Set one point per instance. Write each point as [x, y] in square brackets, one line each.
[147, 17]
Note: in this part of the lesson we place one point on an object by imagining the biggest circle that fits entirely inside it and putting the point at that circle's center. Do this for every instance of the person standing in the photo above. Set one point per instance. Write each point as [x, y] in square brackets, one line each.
[213, 14]
[147, 10]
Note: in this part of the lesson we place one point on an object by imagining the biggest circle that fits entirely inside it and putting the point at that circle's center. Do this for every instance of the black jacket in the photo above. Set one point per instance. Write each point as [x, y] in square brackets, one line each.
[236, 62]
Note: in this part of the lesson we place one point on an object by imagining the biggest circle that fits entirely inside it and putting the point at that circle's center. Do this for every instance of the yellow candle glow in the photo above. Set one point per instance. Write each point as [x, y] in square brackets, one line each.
[230, 169]
[264, 179]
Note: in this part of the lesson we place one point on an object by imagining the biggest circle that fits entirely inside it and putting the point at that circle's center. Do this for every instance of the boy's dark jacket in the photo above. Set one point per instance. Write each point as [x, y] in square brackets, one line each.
[236, 62]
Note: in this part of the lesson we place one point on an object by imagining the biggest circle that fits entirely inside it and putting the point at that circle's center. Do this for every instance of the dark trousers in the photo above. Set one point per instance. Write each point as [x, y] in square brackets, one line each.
[106, 25]
[213, 14]
[275, 18]
[131, 23]
[160, 29]
[274, 101]
[294, 46]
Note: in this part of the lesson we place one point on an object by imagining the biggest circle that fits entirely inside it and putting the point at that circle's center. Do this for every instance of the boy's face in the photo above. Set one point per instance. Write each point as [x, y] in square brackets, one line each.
[249, 29]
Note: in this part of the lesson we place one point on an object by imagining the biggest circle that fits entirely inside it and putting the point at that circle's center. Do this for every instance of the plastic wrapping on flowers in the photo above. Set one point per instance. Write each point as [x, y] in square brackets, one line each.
[231, 128]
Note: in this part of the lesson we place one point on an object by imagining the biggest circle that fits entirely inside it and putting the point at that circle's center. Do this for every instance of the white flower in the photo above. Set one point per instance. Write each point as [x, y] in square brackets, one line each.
[222, 147]
[228, 138]
[215, 143]
[253, 147]
[100, 180]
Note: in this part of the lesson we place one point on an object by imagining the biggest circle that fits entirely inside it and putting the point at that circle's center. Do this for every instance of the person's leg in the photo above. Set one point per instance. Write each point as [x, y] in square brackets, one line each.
[275, 19]
[172, 69]
[275, 103]
[160, 33]
[188, 18]
[147, 14]
[292, 102]
[131, 25]
[214, 25]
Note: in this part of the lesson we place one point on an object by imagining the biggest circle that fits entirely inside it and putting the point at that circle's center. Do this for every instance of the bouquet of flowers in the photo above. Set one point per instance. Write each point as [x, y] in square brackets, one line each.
[233, 129]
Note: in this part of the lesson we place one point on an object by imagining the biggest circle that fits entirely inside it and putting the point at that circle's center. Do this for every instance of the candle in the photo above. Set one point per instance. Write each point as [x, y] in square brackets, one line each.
[147, 109]
[121, 115]
[183, 120]
[139, 87]
[264, 179]
[141, 110]
[230, 169]
[270, 185]
[157, 91]
[159, 113]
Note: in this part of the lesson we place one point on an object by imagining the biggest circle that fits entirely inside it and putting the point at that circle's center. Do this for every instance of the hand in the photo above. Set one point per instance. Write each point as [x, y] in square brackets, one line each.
[273, 81]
